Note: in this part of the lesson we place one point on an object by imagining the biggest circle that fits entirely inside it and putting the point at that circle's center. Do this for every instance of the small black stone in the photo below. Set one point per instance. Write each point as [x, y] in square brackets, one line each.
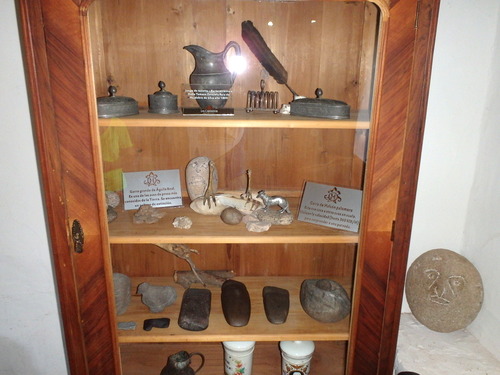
[149, 324]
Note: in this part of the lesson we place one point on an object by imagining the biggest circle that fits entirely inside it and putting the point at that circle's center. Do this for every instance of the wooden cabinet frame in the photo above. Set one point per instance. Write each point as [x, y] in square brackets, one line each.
[62, 94]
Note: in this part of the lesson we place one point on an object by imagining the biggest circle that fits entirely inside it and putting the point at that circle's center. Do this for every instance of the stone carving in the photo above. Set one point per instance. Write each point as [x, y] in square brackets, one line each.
[444, 290]
[156, 297]
[324, 300]
[182, 222]
[198, 176]
[231, 216]
[254, 224]
[122, 292]
[127, 326]
[112, 201]
[147, 214]
[275, 217]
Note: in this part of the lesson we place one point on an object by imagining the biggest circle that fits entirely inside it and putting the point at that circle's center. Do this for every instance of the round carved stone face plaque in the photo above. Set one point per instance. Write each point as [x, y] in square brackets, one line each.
[444, 290]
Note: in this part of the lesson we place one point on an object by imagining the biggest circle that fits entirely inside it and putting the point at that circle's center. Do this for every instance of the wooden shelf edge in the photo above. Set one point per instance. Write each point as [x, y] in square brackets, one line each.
[241, 119]
[270, 239]
[299, 326]
[210, 229]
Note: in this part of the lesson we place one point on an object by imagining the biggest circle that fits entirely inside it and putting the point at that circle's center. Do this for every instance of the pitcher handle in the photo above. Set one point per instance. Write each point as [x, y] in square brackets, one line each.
[237, 51]
[202, 360]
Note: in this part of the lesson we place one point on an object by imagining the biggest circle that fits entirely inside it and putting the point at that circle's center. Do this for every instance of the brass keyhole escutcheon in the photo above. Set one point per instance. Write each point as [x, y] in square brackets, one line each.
[77, 236]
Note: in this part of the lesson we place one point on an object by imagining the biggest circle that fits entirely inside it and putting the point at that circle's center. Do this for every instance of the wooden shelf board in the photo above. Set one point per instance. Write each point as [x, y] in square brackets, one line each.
[299, 326]
[241, 119]
[210, 229]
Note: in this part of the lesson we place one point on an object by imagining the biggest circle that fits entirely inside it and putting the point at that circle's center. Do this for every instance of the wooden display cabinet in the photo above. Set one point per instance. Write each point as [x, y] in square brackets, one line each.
[375, 56]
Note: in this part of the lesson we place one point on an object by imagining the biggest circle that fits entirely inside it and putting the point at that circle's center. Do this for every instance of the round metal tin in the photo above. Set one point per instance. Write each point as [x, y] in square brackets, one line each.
[116, 106]
[318, 107]
[162, 101]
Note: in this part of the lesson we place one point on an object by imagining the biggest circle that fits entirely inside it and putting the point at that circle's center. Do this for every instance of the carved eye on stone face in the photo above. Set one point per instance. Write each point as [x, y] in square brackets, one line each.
[456, 283]
[432, 275]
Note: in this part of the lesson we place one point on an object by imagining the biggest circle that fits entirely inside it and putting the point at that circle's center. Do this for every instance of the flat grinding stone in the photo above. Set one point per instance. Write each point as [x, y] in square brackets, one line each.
[195, 309]
[276, 304]
[235, 303]
[444, 290]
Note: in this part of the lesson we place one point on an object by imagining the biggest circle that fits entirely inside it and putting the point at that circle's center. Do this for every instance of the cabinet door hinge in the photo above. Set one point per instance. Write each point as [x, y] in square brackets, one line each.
[417, 14]
[392, 229]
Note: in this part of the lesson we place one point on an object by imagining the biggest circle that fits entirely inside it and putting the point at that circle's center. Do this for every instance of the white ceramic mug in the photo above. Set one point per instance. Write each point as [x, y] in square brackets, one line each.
[296, 357]
[238, 357]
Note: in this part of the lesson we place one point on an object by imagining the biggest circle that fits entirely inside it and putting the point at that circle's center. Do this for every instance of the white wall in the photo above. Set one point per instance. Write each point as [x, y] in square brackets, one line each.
[457, 203]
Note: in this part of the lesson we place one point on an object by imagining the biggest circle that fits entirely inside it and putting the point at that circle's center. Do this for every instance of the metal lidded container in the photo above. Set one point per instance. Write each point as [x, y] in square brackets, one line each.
[116, 106]
[162, 101]
[318, 107]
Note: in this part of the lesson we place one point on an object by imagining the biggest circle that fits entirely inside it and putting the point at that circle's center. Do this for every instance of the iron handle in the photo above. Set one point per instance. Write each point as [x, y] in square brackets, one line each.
[77, 236]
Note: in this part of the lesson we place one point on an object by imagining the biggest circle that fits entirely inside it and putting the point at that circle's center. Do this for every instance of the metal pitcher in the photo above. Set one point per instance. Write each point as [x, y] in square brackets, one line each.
[210, 78]
[178, 364]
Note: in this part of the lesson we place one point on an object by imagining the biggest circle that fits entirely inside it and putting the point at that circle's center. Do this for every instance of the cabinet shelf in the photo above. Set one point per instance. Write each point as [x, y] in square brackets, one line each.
[299, 326]
[210, 229]
[241, 119]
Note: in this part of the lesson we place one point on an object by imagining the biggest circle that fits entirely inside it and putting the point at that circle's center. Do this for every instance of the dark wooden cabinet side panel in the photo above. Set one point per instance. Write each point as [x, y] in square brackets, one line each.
[56, 58]
[383, 184]
[48, 155]
[424, 45]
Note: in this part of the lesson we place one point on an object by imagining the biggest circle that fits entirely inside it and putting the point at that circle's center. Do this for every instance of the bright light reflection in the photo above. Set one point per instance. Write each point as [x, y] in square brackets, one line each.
[313, 21]
[270, 23]
[236, 64]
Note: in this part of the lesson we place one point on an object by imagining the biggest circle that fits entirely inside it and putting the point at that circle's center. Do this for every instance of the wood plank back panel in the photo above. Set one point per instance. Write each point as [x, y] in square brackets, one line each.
[275, 156]
[245, 260]
[134, 53]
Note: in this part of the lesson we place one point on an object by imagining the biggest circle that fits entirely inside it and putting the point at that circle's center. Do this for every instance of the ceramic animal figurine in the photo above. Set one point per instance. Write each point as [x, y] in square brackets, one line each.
[273, 201]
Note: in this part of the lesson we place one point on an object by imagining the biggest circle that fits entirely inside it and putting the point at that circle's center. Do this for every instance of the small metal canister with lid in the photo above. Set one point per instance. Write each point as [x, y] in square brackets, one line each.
[319, 107]
[163, 101]
[116, 106]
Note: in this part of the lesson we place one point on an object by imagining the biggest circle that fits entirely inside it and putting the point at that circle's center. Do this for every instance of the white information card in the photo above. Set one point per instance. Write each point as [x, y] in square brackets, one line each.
[331, 206]
[156, 188]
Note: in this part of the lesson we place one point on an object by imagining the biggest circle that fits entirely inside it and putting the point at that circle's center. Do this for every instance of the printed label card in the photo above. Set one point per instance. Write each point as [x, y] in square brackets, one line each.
[206, 100]
[156, 188]
[331, 206]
